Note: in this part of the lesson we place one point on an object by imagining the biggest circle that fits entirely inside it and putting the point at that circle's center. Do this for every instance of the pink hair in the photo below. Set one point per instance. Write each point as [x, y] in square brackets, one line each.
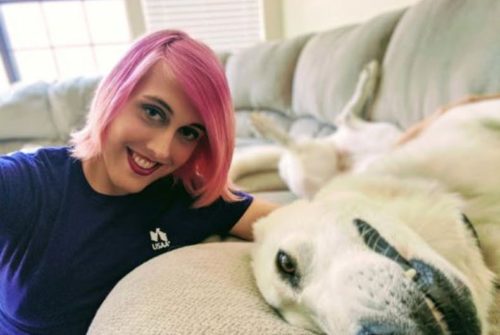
[200, 74]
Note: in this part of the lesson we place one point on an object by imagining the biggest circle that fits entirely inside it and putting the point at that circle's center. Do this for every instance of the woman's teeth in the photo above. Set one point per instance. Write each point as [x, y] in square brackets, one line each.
[142, 162]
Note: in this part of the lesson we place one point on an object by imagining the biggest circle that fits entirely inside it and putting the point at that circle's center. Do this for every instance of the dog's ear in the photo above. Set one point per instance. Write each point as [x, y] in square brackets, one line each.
[259, 229]
[281, 219]
[263, 225]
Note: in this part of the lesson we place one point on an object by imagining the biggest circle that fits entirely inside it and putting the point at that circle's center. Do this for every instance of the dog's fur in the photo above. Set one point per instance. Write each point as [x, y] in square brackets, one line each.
[390, 250]
[305, 164]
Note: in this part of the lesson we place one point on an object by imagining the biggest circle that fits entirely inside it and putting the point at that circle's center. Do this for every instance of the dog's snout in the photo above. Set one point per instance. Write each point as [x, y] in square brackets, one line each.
[452, 299]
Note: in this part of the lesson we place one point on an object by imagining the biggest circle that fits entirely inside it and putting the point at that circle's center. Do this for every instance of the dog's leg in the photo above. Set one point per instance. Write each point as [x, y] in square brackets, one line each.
[417, 128]
[254, 160]
[363, 93]
[268, 128]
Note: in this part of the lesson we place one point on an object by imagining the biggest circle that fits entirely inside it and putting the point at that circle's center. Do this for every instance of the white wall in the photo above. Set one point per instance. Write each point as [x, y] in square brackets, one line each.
[273, 19]
[135, 18]
[304, 16]
[288, 18]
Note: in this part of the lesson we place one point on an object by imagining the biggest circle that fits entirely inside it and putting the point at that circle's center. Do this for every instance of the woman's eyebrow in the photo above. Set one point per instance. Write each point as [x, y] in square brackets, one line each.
[160, 102]
[199, 126]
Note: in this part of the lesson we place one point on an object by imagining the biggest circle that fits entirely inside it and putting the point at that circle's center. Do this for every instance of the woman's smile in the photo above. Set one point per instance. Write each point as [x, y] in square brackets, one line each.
[140, 164]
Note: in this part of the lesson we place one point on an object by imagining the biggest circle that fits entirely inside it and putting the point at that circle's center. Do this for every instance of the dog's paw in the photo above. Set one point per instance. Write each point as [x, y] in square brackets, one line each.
[364, 93]
[372, 68]
[369, 78]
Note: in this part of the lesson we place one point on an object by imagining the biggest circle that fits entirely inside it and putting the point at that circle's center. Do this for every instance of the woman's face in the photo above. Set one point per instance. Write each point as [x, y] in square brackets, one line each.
[153, 135]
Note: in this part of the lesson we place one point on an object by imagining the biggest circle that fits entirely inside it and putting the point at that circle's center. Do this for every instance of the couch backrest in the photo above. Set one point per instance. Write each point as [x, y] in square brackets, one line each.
[330, 63]
[440, 51]
[261, 79]
[304, 82]
[432, 53]
[43, 113]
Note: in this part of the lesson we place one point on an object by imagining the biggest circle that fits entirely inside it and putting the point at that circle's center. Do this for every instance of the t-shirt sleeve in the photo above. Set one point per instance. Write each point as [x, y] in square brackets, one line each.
[17, 197]
[223, 215]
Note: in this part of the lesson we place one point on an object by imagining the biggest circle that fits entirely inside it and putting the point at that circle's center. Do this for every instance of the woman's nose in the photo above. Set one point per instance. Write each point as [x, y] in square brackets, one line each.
[160, 146]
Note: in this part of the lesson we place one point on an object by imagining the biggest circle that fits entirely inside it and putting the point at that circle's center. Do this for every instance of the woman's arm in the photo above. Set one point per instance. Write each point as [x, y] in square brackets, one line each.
[17, 196]
[258, 208]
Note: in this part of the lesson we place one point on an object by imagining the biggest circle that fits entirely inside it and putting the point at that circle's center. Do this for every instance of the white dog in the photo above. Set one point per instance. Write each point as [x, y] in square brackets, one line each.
[306, 164]
[409, 246]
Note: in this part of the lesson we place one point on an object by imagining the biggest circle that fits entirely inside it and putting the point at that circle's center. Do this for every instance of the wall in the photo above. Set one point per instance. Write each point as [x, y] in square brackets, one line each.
[288, 18]
[273, 19]
[135, 18]
[304, 16]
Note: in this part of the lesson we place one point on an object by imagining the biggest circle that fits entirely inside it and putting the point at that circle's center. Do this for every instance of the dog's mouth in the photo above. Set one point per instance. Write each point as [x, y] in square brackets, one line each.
[450, 308]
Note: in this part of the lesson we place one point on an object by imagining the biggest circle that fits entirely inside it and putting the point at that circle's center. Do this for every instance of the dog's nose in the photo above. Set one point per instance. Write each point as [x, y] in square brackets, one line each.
[379, 329]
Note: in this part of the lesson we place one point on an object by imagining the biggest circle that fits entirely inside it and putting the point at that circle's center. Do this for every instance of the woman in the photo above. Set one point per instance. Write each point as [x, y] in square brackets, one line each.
[147, 174]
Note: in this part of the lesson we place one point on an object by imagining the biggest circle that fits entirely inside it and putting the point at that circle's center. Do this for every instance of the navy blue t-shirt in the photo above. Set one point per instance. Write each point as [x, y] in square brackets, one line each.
[63, 246]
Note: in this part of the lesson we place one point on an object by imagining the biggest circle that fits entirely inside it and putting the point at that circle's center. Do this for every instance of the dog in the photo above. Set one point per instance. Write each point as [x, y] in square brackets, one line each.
[305, 164]
[410, 245]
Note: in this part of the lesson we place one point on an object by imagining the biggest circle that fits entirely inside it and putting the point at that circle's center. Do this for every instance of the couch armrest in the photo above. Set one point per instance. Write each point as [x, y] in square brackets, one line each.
[202, 289]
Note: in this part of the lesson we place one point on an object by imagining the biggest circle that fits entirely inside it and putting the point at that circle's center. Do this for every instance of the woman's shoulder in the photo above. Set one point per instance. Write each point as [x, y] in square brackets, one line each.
[38, 151]
[34, 184]
[35, 156]
[44, 164]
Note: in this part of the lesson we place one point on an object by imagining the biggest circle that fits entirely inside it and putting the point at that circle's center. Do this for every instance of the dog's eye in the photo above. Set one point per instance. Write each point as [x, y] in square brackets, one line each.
[285, 263]
[288, 270]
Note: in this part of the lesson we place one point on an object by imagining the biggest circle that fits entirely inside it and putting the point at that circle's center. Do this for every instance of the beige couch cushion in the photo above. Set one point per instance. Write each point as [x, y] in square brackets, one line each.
[25, 113]
[43, 113]
[441, 51]
[202, 289]
[329, 66]
[261, 77]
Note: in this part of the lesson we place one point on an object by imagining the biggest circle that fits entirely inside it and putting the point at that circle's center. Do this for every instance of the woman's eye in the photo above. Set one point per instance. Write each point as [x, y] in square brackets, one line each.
[189, 134]
[154, 113]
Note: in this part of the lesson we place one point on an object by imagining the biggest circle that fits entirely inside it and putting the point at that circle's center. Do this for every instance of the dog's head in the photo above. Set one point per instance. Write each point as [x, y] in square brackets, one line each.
[349, 265]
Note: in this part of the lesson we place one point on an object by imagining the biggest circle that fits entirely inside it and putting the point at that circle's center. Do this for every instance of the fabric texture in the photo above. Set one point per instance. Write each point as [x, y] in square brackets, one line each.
[25, 113]
[204, 289]
[261, 77]
[330, 63]
[441, 51]
[43, 110]
[64, 246]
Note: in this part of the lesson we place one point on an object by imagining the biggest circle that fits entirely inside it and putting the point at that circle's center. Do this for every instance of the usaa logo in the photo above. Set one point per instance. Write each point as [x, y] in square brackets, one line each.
[159, 239]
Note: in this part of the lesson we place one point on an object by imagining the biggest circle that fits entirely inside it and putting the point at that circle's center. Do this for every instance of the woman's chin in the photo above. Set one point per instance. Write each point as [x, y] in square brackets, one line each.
[128, 186]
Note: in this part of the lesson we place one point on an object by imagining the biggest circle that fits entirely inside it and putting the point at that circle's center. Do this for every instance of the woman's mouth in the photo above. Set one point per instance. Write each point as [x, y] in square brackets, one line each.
[140, 164]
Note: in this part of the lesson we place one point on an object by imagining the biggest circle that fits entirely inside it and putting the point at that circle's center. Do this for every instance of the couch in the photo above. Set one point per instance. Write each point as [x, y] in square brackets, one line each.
[432, 53]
